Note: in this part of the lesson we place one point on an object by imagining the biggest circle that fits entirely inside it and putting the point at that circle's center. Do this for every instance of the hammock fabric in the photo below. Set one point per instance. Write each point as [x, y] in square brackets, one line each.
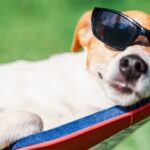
[86, 132]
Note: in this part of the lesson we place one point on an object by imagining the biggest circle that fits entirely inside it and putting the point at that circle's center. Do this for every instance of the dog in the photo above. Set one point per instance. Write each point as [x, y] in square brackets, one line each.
[36, 96]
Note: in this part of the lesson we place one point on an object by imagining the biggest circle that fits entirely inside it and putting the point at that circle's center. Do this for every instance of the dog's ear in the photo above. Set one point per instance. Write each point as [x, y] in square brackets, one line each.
[82, 32]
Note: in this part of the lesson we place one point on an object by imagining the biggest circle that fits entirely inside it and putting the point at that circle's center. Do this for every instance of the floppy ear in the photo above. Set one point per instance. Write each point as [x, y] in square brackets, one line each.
[82, 32]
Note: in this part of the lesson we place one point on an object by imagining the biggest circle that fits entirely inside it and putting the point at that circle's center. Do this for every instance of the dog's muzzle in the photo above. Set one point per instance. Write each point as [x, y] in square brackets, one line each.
[132, 67]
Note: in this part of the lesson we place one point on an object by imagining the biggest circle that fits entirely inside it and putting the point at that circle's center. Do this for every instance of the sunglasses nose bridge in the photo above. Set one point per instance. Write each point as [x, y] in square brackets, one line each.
[148, 34]
[145, 32]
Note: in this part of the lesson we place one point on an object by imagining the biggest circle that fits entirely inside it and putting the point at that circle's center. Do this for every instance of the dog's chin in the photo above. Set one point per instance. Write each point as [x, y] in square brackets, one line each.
[120, 94]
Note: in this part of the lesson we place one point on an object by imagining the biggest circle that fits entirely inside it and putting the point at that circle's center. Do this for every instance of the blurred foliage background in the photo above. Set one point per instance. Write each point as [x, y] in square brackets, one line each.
[35, 29]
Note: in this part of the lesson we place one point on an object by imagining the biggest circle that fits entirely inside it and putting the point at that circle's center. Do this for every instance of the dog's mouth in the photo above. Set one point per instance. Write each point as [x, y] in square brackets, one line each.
[121, 87]
[120, 84]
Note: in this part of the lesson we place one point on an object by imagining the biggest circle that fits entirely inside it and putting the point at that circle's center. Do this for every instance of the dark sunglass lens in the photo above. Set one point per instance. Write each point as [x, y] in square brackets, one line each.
[114, 29]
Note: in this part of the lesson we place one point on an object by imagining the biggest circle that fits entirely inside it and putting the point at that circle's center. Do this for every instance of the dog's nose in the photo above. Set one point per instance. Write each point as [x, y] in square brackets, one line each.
[132, 67]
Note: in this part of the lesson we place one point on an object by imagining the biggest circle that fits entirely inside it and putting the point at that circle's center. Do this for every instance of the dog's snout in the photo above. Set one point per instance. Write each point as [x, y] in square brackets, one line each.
[132, 67]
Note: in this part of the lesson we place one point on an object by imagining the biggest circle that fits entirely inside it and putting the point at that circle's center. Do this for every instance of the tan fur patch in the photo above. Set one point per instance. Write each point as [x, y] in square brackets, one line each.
[96, 50]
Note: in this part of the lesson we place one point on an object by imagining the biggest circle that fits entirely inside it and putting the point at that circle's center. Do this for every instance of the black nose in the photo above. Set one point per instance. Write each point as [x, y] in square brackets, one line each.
[132, 67]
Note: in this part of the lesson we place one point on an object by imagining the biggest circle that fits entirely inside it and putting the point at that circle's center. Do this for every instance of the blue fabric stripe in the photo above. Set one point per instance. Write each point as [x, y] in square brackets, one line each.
[75, 125]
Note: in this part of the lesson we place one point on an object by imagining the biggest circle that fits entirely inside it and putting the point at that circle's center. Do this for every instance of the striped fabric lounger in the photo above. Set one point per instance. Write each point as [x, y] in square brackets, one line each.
[101, 127]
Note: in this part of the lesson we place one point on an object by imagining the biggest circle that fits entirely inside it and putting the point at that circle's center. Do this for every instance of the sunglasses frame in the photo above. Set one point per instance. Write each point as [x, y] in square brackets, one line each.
[140, 30]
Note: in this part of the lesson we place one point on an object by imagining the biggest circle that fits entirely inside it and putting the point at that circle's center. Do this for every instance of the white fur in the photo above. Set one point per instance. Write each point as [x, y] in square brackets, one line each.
[36, 96]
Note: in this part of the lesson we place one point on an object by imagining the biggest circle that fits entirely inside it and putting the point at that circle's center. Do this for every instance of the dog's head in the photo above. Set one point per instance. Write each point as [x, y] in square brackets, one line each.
[125, 75]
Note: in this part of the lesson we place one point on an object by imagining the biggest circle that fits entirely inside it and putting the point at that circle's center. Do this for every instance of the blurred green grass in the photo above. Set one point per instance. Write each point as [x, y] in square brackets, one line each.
[35, 29]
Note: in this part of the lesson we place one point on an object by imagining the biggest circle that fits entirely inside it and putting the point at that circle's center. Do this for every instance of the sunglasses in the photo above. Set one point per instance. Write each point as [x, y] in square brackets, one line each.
[118, 30]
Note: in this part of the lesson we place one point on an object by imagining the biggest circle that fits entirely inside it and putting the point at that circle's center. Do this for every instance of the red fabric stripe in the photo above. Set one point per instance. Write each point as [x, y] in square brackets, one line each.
[94, 134]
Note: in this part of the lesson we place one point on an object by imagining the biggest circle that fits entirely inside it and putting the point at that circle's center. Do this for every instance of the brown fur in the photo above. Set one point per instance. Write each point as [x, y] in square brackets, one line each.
[96, 50]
